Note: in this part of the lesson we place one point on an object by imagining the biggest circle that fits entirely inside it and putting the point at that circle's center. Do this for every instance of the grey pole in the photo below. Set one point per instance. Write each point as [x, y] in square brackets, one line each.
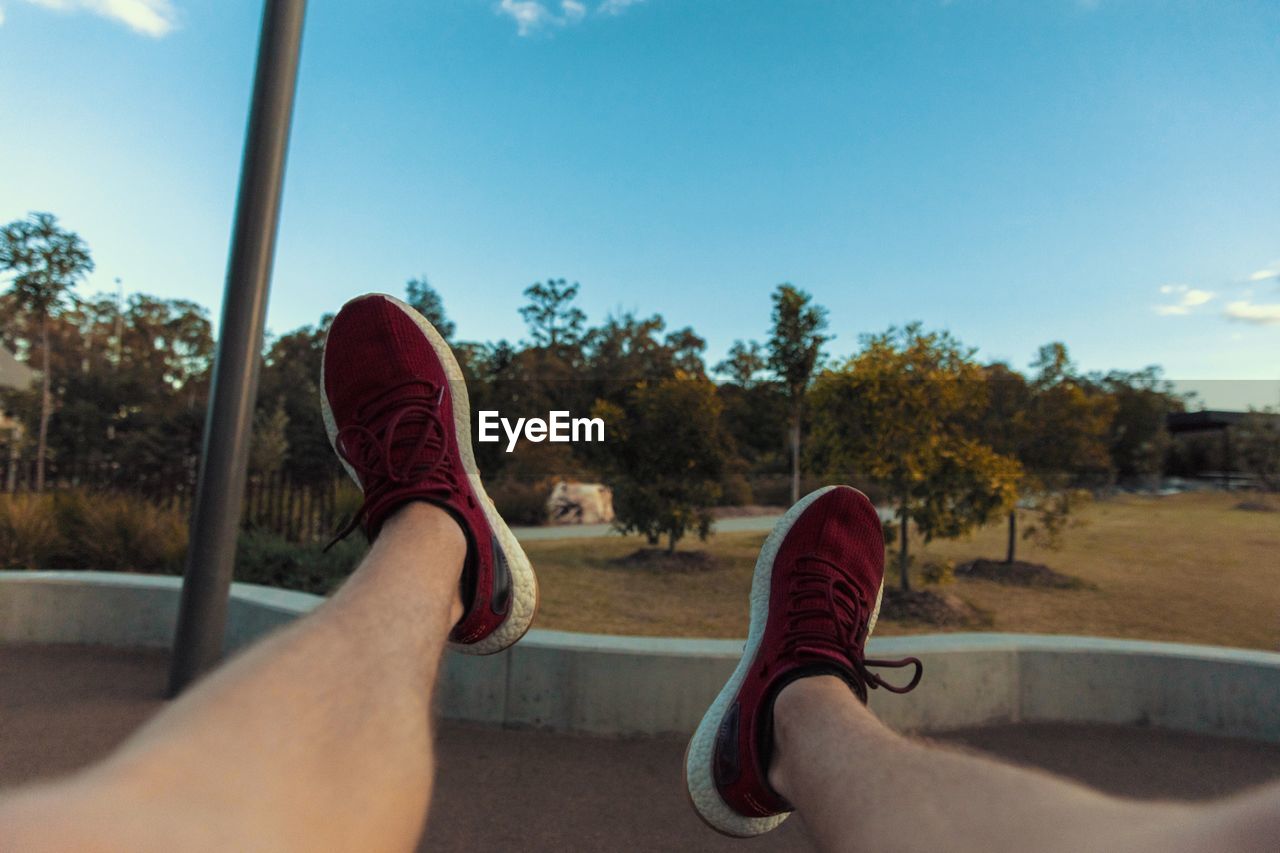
[215, 518]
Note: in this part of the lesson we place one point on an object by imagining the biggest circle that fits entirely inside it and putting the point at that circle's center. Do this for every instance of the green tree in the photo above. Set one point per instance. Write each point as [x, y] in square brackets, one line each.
[270, 446]
[795, 345]
[554, 321]
[1057, 426]
[745, 360]
[1258, 446]
[290, 382]
[46, 262]
[755, 412]
[419, 293]
[666, 457]
[1139, 439]
[899, 413]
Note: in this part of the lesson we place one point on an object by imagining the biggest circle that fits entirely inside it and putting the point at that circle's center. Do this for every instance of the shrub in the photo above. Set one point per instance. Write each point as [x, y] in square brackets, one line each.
[521, 503]
[735, 490]
[29, 536]
[120, 533]
[939, 572]
[265, 558]
[775, 489]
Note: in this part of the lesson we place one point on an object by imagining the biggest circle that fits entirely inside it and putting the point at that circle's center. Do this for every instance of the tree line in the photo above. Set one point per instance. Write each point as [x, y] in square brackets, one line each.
[913, 416]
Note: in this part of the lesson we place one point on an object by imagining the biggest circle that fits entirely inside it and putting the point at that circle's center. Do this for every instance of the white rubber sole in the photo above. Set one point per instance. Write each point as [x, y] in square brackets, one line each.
[524, 583]
[698, 775]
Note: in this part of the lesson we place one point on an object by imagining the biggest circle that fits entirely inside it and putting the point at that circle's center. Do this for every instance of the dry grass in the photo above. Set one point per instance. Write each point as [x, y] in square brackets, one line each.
[1189, 568]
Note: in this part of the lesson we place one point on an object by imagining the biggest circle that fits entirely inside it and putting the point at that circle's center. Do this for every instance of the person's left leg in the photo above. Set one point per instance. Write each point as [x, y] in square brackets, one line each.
[318, 738]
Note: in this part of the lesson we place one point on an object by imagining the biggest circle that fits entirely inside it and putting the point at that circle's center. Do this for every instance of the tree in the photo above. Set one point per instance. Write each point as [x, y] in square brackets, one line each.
[795, 345]
[553, 320]
[900, 413]
[290, 382]
[666, 458]
[1258, 446]
[745, 360]
[270, 445]
[46, 262]
[1057, 427]
[424, 299]
[1139, 439]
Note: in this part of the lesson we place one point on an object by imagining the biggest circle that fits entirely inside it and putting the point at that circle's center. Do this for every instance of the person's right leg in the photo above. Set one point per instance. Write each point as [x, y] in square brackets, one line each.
[790, 730]
[861, 786]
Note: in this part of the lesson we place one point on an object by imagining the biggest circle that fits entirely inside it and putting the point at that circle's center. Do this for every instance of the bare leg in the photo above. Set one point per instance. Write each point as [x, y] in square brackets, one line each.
[860, 786]
[318, 738]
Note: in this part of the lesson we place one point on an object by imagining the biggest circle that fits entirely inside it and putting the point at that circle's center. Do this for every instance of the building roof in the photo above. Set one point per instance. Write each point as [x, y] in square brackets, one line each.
[13, 373]
[1208, 420]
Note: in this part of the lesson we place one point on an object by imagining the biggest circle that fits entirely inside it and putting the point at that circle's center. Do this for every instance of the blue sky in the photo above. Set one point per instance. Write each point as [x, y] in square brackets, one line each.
[1102, 173]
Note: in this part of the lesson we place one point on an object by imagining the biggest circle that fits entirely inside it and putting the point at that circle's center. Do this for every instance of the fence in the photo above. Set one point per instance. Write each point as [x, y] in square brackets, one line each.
[297, 511]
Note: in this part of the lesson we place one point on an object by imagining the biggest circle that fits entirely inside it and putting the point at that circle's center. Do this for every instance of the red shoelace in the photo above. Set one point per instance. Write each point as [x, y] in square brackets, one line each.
[398, 438]
[819, 598]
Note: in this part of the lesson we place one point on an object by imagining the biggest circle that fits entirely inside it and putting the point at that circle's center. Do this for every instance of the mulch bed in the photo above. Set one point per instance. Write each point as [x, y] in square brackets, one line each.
[1019, 573]
[659, 559]
[1256, 506]
[926, 607]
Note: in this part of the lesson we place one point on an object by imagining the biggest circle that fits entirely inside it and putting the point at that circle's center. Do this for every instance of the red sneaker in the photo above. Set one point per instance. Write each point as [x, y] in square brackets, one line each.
[814, 600]
[395, 407]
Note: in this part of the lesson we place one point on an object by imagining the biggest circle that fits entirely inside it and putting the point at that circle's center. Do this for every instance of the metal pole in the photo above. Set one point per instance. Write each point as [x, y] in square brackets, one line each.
[215, 518]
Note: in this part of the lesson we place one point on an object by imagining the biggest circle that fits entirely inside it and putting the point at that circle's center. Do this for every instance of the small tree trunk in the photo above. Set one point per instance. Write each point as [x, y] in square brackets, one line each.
[795, 457]
[46, 403]
[672, 538]
[11, 477]
[1013, 536]
[904, 562]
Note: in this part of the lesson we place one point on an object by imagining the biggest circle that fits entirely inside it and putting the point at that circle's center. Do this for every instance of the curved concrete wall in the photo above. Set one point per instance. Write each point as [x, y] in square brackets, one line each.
[643, 685]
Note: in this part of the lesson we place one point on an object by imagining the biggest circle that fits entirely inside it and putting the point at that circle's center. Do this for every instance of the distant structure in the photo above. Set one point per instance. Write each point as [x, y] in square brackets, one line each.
[14, 376]
[1207, 423]
[13, 373]
[580, 503]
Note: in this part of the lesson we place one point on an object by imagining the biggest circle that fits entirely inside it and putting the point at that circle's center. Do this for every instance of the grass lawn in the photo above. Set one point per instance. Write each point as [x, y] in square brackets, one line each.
[1186, 567]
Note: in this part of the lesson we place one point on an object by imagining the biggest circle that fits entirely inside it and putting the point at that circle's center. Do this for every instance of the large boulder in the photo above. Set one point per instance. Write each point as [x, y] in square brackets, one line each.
[580, 503]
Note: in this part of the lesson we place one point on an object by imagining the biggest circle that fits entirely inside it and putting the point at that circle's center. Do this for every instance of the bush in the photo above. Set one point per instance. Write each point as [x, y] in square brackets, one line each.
[29, 536]
[939, 572]
[521, 503]
[120, 533]
[735, 490]
[265, 558]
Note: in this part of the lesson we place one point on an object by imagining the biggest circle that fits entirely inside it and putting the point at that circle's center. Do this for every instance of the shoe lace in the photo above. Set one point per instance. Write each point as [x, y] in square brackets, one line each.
[819, 595]
[397, 438]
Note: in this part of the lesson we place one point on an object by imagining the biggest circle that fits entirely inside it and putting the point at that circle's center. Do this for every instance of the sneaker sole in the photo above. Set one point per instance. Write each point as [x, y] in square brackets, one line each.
[698, 757]
[524, 583]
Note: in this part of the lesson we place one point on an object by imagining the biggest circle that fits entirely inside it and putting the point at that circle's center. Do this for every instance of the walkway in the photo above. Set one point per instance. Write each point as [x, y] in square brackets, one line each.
[62, 706]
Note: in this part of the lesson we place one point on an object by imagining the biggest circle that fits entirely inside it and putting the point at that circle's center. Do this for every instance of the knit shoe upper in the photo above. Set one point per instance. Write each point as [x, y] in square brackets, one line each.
[814, 601]
[396, 410]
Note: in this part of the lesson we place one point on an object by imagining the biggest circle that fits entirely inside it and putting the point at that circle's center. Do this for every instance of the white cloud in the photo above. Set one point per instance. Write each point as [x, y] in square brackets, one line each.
[1249, 312]
[616, 7]
[1271, 272]
[155, 18]
[1186, 299]
[529, 15]
[1, 16]
[532, 16]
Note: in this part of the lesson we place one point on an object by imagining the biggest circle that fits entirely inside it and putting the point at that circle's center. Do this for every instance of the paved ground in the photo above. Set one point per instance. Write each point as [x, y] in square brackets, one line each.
[750, 523]
[743, 524]
[61, 707]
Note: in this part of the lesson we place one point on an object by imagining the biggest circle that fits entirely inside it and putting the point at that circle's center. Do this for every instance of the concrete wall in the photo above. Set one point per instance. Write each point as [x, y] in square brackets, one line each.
[641, 685]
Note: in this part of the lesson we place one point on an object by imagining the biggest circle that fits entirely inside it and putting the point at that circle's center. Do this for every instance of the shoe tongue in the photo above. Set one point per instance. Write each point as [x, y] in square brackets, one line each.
[823, 639]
